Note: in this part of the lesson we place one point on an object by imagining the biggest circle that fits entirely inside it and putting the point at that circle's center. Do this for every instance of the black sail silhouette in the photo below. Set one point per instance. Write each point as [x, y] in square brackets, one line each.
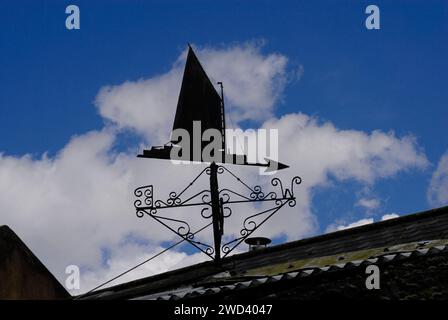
[198, 100]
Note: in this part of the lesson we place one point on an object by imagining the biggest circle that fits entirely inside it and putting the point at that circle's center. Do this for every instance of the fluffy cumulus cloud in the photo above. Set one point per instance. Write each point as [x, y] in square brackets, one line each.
[77, 207]
[253, 84]
[438, 188]
[146, 105]
[321, 150]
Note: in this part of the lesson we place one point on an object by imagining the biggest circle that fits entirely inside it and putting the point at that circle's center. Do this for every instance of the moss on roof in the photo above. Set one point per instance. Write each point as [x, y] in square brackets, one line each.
[319, 262]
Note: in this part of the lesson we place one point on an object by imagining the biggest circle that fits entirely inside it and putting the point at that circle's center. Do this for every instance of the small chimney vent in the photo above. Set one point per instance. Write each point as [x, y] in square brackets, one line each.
[256, 243]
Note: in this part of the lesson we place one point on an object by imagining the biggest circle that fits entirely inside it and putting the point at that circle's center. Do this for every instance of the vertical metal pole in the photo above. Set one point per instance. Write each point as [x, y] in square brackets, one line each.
[217, 215]
[223, 119]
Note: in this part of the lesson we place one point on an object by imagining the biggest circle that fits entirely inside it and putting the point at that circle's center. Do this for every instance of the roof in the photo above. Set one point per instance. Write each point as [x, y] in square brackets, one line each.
[396, 240]
[428, 248]
[22, 274]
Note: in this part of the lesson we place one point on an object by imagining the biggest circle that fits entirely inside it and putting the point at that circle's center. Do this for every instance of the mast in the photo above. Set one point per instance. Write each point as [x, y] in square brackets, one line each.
[223, 120]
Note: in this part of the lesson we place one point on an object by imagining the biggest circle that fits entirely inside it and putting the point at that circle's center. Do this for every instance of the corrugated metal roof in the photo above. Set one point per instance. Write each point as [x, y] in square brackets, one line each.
[431, 248]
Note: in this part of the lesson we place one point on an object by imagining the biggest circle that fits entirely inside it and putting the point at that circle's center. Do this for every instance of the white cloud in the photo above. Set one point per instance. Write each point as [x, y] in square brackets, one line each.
[320, 150]
[253, 82]
[125, 256]
[369, 204]
[336, 227]
[146, 106]
[389, 216]
[438, 187]
[71, 207]
[352, 225]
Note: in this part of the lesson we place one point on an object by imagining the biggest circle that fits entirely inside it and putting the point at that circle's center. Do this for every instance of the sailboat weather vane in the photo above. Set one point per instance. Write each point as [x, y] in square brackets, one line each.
[200, 111]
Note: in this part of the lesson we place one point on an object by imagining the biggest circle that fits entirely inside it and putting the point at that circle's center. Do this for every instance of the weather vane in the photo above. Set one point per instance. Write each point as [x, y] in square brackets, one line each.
[200, 110]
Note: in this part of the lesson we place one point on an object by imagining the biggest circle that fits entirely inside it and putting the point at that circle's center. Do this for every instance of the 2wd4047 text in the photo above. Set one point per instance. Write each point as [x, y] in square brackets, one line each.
[233, 309]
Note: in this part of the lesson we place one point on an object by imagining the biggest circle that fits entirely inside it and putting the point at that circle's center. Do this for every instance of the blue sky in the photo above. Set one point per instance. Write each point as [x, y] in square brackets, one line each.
[388, 79]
